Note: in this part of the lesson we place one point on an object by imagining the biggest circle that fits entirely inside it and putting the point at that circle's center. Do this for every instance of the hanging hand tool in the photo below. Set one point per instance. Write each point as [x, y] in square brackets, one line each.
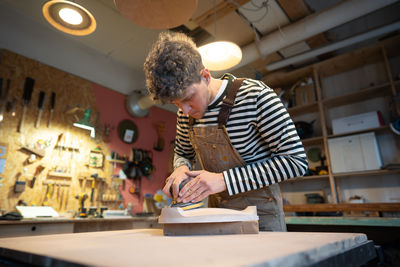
[92, 191]
[42, 97]
[52, 104]
[28, 89]
[4, 102]
[19, 186]
[13, 107]
[39, 169]
[49, 193]
[62, 195]
[67, 197]
[102, 189]
[82, 210]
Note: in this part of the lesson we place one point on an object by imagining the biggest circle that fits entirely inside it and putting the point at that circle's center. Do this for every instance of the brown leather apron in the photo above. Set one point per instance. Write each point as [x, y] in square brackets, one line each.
[216, 154]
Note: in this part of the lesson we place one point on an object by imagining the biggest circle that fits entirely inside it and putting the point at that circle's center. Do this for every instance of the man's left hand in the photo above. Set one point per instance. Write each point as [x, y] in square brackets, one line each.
[202, 185]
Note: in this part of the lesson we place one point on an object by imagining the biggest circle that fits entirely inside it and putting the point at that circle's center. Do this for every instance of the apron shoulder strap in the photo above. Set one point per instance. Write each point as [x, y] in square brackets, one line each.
[191, 121]
[228, 102]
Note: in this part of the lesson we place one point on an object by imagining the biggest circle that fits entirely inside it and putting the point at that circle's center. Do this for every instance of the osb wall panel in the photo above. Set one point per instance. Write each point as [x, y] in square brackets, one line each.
[71, 91]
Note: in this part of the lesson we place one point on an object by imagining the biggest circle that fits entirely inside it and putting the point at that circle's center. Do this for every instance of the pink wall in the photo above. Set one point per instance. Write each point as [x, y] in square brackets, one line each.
[112, 108]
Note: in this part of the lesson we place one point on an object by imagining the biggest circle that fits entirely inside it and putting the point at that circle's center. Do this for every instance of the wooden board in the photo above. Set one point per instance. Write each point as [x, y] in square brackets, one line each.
[224, 228]
[148, 247]
[207, 215]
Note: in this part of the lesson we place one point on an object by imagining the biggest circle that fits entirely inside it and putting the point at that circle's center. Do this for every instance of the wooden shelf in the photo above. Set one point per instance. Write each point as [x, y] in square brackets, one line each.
[60, 174]
[355, 64]
[365, 173]
[350, 61]
[116, 161]
[298, 110]
[38, 152]
[343, 207]
[305, 178]
[319, 140]
[362, 95]
[378, 129]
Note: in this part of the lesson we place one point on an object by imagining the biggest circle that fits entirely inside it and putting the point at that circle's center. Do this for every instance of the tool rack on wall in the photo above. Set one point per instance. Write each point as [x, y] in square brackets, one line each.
[45, 155]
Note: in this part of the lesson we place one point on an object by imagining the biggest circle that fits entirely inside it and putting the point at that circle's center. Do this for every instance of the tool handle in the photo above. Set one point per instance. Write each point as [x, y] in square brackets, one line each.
[21, 123]
[50, 118]
[28, 89]
[33, 181]
[53, 100]
[42, 97]
[4, 102]
[37, 124]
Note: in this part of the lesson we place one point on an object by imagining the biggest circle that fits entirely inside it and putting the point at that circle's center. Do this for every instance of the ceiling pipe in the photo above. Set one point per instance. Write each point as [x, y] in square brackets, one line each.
[309, 26]
[332, 47]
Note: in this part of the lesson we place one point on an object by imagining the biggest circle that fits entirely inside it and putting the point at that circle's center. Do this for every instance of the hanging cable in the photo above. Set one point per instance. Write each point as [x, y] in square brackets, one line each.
[264, 5]
[215, 20]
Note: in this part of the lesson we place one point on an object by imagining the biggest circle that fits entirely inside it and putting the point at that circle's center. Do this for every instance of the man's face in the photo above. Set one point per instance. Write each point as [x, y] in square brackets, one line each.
[195, 100]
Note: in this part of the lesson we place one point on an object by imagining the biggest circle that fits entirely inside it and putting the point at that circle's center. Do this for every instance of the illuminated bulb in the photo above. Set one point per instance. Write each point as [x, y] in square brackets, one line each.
[220, 55]
[1, 117]
[70, 16]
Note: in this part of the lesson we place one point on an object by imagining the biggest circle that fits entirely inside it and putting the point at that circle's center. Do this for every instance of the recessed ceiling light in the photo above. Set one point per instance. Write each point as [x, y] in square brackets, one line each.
[69, 17]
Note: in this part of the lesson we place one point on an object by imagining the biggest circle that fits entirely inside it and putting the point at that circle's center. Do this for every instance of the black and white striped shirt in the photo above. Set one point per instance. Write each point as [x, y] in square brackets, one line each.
[260, 129]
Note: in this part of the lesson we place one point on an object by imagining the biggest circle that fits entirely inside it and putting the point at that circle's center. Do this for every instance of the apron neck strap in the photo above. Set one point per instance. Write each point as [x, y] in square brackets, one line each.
[226, 105]
[228, 102]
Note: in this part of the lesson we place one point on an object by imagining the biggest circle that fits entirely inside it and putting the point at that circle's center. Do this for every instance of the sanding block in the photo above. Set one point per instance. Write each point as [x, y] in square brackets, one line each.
[209, 221]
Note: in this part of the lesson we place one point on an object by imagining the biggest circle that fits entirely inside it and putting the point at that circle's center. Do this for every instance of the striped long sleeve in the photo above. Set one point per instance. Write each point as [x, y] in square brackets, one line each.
[261, 130]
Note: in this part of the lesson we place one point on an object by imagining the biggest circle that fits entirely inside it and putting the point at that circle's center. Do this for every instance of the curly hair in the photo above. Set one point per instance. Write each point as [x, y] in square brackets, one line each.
[172, 65]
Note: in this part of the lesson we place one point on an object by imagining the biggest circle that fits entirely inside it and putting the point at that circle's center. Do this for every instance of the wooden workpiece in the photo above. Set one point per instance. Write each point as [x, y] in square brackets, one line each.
[148, 247]
[210, 221]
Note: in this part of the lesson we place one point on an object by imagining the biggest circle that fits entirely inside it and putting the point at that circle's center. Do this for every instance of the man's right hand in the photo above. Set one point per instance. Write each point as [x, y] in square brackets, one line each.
[174, 180]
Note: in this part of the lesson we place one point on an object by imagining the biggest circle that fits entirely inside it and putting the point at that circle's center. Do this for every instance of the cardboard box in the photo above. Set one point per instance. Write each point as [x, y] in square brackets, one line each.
[357, 122]
[357, 152]
[305, 95]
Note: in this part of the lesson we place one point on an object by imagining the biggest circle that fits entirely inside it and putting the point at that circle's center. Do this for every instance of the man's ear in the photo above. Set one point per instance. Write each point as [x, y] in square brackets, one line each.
[206, 75]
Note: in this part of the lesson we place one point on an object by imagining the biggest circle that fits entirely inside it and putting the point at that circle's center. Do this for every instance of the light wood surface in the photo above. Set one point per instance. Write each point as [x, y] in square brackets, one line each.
[209, 215]
[148, 247]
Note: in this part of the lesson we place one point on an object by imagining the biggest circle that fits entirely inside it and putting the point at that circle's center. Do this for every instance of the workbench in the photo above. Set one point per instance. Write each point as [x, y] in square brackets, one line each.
[381, 230]
[149, 247]
[49, 226]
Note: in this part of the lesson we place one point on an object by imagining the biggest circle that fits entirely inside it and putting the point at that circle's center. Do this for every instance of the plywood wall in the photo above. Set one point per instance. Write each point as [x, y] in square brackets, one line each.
[71, 91]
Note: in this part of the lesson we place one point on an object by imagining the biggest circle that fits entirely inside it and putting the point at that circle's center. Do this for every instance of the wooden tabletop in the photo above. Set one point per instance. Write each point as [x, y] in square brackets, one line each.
[149, 247]
[73, 220]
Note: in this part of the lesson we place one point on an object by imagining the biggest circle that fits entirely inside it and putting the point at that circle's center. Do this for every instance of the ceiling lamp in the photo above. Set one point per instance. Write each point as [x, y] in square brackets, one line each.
[69, 17]
[220, 55]
[160, 14]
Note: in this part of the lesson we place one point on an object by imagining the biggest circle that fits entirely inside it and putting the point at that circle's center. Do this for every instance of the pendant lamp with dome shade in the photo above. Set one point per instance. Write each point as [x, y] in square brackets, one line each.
[220, 55]
[160, 14]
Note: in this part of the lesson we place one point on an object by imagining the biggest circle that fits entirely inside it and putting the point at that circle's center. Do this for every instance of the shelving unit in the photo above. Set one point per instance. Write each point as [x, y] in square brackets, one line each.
[377, 85]
[116, 161]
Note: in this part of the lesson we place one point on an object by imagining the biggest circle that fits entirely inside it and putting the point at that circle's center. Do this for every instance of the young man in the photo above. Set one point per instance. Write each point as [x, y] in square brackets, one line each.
[238, 128]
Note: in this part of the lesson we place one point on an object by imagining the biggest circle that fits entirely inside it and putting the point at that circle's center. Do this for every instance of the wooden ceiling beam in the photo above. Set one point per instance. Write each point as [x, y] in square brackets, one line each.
[223, 8]
[294, 9]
